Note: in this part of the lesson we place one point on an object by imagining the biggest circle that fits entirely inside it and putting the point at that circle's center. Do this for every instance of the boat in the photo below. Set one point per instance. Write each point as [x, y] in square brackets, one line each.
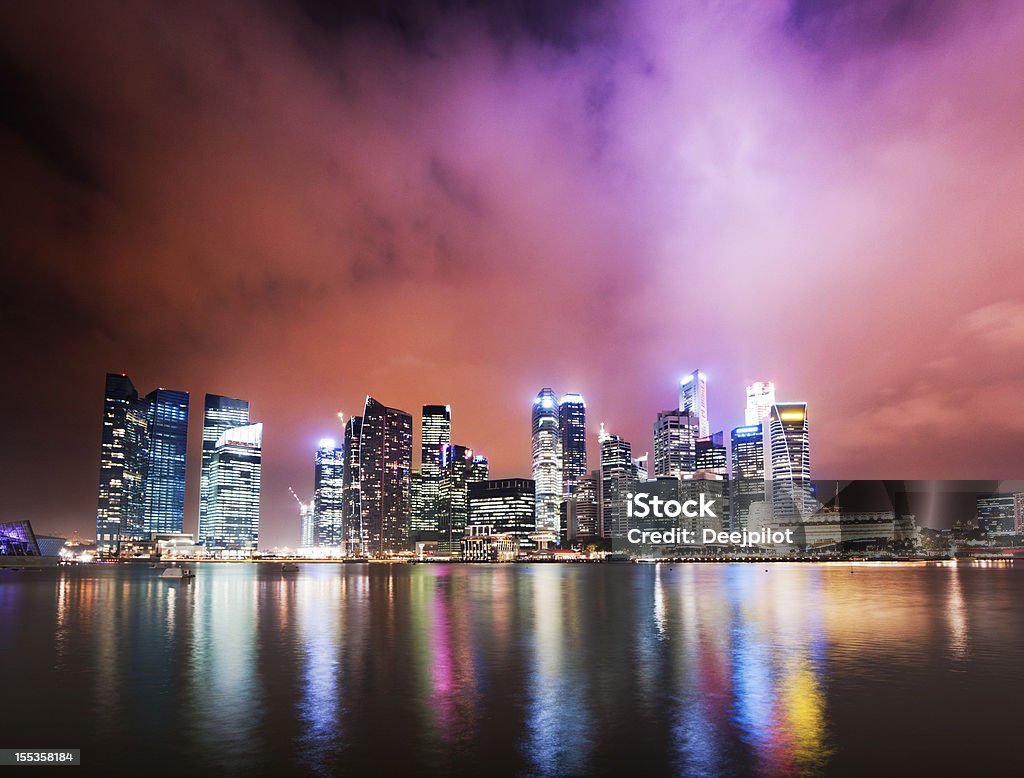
[289, 567]
[177, 573]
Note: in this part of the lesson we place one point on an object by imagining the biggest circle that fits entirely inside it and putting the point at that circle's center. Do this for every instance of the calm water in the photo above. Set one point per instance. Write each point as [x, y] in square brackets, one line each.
[519, 669]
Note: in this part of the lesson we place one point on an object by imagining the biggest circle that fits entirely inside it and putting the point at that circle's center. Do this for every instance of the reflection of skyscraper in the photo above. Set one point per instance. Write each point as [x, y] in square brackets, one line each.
[618, 478]
[385, 469]
[328, 494]
[505, 506]
[354, 537]
[693, 398]
[122, 459]
[219, 414]
[572, 422]
[164, 505]
[748, 474]
[760, 399]
[459, 468]
[788, 460]
[675, 434]
[547, 460]
[233, 505]
[436, 434]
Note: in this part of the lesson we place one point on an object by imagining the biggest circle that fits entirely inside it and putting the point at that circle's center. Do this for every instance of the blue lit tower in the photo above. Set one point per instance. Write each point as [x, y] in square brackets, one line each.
[328, 494]
[233, 507]
[572, 422]
[164, 506]
[547, 460]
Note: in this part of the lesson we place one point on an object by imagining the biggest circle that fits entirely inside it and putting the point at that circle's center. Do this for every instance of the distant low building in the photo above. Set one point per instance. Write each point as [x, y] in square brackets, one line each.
[500, 547]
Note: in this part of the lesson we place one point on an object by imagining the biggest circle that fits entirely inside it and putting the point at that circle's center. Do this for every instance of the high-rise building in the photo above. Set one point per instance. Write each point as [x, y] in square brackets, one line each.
[996, 514]
[385, 478]
[618, 479]
[307, 532]
[219, 414]
[583, 509]
[355, 538]
[572, 426]
[122, 461]
[748, 476]
[547, 460]
[760, 399]
[233, 507]
[1018, 514]
[711, 455]
[459, 468]
[328, 494]
[788, 460]
[164, 505]
[675, 434]
[436, 434]
[693, 398]
[506, 505]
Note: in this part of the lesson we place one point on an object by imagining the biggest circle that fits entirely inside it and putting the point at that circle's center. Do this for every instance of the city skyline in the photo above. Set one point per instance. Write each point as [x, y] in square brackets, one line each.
[831, 193]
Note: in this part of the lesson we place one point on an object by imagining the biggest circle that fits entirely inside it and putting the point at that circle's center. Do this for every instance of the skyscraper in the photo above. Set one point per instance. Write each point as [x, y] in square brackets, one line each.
[760, 399]
[385, 483]
[506, 505]
[547, 460]
[748, 476]
[219, 414]
[618, 479]
[233, 506]
[355, 538]
[436, 434]
[788, 460]
[675, 434]
[459, 468]
[711, 455]
[328, 494]
[164, 505]
[572, 423]
[693, 398]
[122, 462]
[583, 508]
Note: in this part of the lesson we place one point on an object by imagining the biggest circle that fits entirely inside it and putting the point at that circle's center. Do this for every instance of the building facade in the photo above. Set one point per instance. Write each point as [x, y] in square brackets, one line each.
[572, 430]
[219, 415]
[760, 399]
[123, 446]
[385, 479]
[167, 419]
[748, 478]
[328, 494]
[788, 459]
[675, 449]
[355, 538]
[507, 506]
[618, 480]
[233, 507]
[547, 460]
[460, 467]
[693, 398]
[436, 432]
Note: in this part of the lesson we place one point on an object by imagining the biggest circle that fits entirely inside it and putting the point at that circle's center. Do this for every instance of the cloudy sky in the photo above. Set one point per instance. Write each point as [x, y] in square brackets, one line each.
[459, 202]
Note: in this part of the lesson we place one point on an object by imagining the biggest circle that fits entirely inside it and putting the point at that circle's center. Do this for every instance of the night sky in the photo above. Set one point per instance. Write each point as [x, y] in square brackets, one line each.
[303, 203]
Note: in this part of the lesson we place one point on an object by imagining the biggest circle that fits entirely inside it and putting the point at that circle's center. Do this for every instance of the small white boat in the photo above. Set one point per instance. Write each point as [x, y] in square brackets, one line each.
[177, 573]
[289, 567]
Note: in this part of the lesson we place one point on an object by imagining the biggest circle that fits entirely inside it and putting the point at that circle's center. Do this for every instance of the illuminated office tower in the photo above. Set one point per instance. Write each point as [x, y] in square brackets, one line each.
[219, 414]
[328, 494]
[710, 454]
[547, 460]
[693, 398]
[122, 462]
[788, 460]
[1018, 514]
[675, 435]
[582, 508]
[995, 514]
[459, 468]
[164, 476]
[233, 504]
[760, 399]
[355, 538]
[506, 506]
[748, 476]
[572, 426]
[307, 532]
[436, 434]
[385, 478]
[618, 479]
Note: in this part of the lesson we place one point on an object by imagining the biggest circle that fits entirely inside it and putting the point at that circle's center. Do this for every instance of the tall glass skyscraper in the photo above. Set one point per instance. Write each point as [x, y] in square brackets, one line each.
[675, 451]
[355, 538]
[219, 415]
[572, 422]
[233, 506]
[123, 447]
[436, 434]
[618, 479]
[164, 506]
[328, 494]
[385, 470]
[459, 468]
[748, 476]
[547, 460]
[788, 460]
[760, 399]
[693, 398]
